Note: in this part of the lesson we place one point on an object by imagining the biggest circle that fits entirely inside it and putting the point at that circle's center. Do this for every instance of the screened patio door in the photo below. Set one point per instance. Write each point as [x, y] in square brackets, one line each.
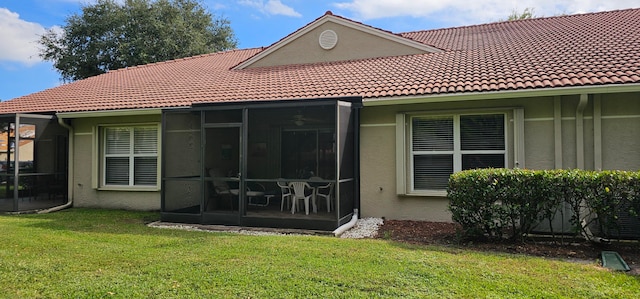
[222, 156]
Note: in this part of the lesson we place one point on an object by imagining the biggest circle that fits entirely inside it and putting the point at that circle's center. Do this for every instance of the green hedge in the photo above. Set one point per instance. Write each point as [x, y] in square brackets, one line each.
[500, 203]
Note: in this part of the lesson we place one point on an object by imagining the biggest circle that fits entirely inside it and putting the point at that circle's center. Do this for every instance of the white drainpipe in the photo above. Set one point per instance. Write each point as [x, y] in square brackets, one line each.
[584, 100]
[69, 174]
[345, 227]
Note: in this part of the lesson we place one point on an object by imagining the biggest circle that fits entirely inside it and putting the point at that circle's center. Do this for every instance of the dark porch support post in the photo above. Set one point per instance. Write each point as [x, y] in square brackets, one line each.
[356, 158]
[163, 130]
[242, 172]
[16, 161]
[203, 171]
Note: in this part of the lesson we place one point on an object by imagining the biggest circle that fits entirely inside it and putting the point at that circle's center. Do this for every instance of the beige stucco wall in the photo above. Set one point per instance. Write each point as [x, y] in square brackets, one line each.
[378, 191]
[620, 145]
[621, 131]
[306, 49]
[619, 149]
[85, 168]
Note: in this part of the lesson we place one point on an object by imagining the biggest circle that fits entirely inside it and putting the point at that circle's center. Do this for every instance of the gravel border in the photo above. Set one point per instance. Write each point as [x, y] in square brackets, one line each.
[364, 228]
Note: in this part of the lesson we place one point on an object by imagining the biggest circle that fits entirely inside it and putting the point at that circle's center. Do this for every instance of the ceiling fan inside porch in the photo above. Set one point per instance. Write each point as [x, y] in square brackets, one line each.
[299, 119]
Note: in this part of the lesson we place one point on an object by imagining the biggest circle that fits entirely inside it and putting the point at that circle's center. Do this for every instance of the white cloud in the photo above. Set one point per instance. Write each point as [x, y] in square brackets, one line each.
[218, 6]
[271, 7]
[474, 12]
[19, 38]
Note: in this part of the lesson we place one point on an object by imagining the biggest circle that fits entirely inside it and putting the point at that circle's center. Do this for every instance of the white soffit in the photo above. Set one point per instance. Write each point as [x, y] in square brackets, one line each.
[340, 21]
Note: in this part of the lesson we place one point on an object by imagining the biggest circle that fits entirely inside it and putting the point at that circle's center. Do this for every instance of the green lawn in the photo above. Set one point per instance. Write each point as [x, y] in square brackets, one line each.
[82, 253]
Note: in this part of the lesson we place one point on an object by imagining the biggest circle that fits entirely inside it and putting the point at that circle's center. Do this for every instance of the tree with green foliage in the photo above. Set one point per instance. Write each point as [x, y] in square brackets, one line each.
[526, 14]
[110, 35]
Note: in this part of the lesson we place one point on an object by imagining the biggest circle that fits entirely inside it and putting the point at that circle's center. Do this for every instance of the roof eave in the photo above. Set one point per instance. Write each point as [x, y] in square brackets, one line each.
[110, 113]
[495, 95]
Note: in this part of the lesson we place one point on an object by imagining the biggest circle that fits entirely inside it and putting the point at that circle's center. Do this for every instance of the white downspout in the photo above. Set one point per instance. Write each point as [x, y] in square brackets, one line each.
[557, 132]
[345, 227]
[584, 100]
[69, 172]
[597, 132]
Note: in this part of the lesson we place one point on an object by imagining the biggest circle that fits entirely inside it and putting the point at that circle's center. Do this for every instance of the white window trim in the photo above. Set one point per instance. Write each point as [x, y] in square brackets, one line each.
[102, 156]
[405, 154]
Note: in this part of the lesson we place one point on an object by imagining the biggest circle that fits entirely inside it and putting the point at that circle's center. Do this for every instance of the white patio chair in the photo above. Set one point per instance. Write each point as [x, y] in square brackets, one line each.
[326, 191]
[300, 192]
[285, 190]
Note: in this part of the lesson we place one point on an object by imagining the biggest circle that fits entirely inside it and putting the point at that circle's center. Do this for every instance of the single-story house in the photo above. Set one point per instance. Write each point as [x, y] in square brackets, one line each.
[362, 118]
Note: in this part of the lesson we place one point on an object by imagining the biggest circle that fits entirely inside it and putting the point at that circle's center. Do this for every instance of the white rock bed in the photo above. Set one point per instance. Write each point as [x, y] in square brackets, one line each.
[364, 228]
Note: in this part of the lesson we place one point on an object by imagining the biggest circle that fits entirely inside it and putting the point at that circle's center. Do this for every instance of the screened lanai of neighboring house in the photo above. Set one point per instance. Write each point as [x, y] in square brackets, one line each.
[33, 162]
[290, 164]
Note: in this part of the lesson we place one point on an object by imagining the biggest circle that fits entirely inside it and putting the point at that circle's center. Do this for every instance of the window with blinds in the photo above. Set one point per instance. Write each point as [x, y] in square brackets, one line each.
[442, 145]
[130, 156]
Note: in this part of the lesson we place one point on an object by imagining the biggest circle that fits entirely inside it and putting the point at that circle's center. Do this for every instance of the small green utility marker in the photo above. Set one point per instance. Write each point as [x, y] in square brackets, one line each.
[612, 260]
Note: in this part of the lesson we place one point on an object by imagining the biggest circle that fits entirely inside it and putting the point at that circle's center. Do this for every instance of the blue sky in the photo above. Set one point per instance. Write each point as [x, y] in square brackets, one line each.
[259, 23]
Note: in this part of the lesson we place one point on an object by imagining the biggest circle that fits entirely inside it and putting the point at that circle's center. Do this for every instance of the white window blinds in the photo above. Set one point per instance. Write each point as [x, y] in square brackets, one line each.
[146, 140]
[433, 145]
[433, 134]
[118, 141]
[131, 156]
[442, 145]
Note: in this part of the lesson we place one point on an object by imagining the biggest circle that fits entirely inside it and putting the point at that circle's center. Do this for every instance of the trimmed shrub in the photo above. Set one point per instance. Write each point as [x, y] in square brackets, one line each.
[498, 203]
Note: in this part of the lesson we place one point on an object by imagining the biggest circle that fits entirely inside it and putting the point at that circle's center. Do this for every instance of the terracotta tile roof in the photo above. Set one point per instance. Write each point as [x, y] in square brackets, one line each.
[579, 50]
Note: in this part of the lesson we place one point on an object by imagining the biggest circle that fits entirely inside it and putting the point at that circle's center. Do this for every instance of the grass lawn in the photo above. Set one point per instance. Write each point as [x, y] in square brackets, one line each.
[84, 253]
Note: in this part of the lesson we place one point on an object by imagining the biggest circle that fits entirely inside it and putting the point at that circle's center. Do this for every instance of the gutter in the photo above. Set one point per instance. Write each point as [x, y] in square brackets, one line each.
[110, 113]
[69, 172]
[503, 94]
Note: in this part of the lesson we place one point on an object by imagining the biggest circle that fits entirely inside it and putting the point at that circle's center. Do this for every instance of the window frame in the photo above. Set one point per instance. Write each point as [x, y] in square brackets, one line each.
[131, 186]
[513, 147]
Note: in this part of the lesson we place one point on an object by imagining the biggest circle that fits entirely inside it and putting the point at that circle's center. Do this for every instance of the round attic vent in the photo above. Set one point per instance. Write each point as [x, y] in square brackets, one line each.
[328, 39]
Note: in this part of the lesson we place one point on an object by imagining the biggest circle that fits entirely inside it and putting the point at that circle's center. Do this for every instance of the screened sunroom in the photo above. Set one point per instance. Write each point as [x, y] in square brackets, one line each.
[33, 162]
[287, 164]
